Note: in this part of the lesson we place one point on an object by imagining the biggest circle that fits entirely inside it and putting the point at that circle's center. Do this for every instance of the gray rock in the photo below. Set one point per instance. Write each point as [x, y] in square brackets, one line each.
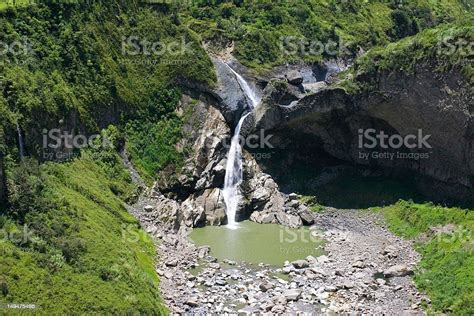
[292, 294]
[279, 300]
[171, 263]
[266, 286]
[192, 302]
[398, 270]
[148, 208]
[359, 264]
[294, 78]
[300, 264]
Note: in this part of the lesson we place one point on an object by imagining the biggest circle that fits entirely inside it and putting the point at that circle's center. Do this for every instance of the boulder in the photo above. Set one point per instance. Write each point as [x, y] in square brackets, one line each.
[148, 208]
[306, 215]
[300, 264]
[292, 294]
[398, 270]
[294, 77]
[289, 220]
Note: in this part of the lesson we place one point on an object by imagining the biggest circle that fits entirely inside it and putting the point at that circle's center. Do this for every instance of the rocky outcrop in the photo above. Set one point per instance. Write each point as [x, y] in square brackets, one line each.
[419, 104]
[192, 196]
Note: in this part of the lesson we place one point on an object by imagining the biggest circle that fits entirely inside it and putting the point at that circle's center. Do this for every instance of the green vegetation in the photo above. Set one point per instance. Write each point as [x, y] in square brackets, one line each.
[445, 270]
[152, 138]
[441, 46]
[82, 65]
[88, 65]
[269, 33]
[80, 244]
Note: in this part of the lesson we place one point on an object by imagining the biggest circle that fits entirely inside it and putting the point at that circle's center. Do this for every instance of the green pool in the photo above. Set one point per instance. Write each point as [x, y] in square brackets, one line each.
[256, 243]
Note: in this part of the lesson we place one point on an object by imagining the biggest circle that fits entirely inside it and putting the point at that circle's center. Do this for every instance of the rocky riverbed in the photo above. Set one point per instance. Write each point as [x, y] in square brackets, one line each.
[366, 270]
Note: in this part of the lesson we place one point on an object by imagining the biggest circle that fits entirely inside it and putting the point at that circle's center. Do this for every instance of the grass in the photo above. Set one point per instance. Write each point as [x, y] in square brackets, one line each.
[11, 3]
[445, 270]
[114, 274]
[436, 45]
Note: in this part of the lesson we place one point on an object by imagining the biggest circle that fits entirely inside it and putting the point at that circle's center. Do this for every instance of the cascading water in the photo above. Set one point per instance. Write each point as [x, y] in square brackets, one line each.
[21, 144]
[234, 173]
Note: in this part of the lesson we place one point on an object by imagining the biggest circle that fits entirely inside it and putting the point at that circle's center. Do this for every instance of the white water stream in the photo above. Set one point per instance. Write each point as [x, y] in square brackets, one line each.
[21, 144]
[233, 172]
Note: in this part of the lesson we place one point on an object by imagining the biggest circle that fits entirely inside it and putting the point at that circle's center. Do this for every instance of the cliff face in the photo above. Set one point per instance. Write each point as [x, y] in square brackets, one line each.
[425, 105]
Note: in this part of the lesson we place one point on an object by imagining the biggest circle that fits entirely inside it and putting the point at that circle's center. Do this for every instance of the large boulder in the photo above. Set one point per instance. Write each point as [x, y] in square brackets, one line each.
[204, 208]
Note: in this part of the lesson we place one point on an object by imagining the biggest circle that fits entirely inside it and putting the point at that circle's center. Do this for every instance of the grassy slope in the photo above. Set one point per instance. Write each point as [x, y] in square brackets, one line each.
[445, 271]
[258, 27]
[116, 271]
[436, 45]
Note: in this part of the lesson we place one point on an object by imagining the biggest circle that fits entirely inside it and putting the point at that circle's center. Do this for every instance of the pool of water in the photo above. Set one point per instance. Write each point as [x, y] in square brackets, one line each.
[256, 243]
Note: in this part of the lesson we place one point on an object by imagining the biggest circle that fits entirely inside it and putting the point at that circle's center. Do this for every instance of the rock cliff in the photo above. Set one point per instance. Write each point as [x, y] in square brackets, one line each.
[436, 107]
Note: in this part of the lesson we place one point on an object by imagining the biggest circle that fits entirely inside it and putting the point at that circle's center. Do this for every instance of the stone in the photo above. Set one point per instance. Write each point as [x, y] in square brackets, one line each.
[390, 251]
[381, 281]
[192, 302]
[314, 87]
[292, 196]
[306, 215]
[398, 270]
[292, 294]
[279, 300]
[171, 263]
[358, 264]
[294, 78]
[214, 265]
[221, 282]
[266, 286]
[148, 208]
[278, 309]
[300, 264]
[248, 310]
[203, 251]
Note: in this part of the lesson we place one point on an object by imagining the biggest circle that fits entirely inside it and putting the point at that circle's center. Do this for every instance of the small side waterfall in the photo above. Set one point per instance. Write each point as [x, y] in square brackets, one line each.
[234, 173]
[21, 143]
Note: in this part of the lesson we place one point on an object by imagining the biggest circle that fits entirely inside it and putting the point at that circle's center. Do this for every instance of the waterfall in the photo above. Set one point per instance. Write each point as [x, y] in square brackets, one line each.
[249, 92]
[233, 172]
[21, 144]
